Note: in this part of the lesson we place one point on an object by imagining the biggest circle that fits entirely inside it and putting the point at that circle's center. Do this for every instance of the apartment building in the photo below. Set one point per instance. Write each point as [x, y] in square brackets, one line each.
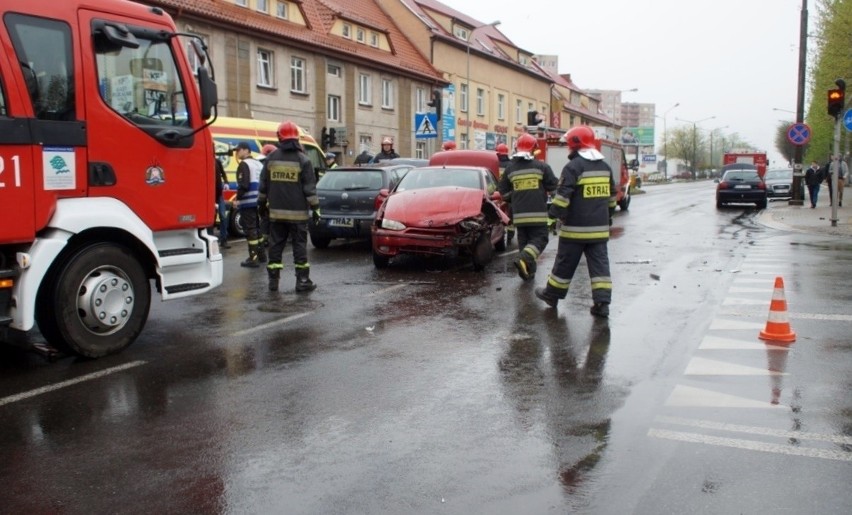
[342, 65]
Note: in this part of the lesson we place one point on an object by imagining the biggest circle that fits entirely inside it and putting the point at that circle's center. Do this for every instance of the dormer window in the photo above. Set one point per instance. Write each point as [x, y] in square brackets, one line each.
[461, 33]
[374, 39]
[361, 35]
[347, 31]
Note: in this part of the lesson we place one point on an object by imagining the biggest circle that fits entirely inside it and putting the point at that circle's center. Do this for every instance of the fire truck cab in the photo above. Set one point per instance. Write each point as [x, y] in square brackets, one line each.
[101, 112]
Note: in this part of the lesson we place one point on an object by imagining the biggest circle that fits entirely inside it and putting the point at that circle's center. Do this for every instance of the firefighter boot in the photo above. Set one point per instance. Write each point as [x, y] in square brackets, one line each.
[251, 261]
[303, 280]
[600, 309]
[550, 300]
[274, 276]
[261, 253]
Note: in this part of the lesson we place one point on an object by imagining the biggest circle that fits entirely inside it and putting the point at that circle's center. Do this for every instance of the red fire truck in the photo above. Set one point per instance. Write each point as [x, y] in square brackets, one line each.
[752, 157]
[100, 113]
[554, 152]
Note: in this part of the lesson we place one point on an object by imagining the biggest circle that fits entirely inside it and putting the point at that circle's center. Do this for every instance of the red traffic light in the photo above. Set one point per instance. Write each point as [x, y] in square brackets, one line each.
[836, 101]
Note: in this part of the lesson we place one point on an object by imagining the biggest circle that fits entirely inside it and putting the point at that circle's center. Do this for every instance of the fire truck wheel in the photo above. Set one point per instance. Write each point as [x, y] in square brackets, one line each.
[96, 303]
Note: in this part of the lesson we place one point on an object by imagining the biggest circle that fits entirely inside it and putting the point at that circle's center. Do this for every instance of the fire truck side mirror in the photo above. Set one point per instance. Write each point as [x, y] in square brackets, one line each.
[634, 164]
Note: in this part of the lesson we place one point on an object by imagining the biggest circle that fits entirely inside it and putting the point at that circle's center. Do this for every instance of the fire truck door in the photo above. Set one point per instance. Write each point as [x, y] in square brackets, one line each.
[140, 122]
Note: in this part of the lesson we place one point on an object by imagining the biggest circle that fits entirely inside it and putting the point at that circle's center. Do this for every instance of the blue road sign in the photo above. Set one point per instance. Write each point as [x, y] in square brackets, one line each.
[799, 134]
[425, 125]
[847, 119]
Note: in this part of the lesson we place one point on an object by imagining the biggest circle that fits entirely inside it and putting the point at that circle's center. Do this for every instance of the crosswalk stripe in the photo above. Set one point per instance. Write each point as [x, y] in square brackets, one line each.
[691, 397]
[712, 367]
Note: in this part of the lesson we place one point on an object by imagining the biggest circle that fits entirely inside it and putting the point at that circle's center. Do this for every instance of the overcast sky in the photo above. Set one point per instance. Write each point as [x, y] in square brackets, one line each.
[732, 59]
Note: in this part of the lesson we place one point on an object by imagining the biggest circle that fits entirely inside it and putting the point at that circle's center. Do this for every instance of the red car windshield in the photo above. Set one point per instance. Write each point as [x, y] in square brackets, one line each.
[421, 178]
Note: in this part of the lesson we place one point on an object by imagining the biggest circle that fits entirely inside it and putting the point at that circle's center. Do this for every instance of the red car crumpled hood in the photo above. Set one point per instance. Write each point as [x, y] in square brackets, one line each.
[434, 207]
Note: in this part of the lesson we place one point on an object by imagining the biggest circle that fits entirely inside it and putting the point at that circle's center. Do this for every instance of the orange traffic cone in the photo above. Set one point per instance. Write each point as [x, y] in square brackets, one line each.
[777, 326]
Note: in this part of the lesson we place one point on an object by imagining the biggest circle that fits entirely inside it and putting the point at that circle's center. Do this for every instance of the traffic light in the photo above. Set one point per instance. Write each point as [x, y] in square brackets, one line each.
[324, 139]
[332, 137]
[436, 102]
[836, 101]
[532, 118]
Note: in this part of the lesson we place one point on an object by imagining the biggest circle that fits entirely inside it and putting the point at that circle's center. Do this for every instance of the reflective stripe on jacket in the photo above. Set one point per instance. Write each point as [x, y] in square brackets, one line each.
[525, 184]
[288, 186]
[248, 179]
[583, 199]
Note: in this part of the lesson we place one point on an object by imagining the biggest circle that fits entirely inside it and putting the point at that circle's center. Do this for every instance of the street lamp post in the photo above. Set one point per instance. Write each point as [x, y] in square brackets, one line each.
[711, 142]
[666, 143]
[694, 142]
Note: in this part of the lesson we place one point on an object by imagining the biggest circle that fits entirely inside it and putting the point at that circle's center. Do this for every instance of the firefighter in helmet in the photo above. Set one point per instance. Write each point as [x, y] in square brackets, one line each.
[288, 191]
[525, 184]
[387, 151]
[583, 202]
[448, 145]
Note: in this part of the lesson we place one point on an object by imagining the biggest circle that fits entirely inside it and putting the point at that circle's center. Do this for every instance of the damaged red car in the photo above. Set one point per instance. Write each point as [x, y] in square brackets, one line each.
[441, 211]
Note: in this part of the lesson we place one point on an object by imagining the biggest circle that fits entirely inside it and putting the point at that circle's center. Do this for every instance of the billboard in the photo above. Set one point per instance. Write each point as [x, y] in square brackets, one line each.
[642, 136]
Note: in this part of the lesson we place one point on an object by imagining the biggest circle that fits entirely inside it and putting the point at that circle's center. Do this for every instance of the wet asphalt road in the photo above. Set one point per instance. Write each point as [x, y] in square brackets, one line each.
[429, 388]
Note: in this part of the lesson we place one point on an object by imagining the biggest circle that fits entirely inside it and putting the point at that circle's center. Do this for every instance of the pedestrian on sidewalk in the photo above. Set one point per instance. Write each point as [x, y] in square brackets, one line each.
[813, 178]
[825, 172]
[838, 170]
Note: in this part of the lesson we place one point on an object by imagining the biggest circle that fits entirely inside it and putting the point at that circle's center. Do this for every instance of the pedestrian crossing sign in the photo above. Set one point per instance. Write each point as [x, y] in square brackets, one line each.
[425, 124]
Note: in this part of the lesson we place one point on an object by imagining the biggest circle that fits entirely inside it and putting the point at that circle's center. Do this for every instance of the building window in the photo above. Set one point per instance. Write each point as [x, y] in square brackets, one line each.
[530, 107]
[364, 92]
[501, 107]
[333, 108]
[263, 6]
[374, 39]
[480, 101]
[518, 117]
[461, 33]
[242, 3]
[463, 98]
[347, 31]
[297, 75]
[365, 142]
[334, 70]
[387, 94]
[420, 100]
[265, 68]
[281, 10]
[360, 35]
[420, 150]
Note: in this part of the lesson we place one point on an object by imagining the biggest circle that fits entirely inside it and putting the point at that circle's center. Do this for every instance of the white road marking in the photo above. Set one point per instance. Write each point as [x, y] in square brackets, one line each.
[754, 430]
[791, 315]
[719, 323]
[714, 342]
[712, 367]
[388, 289]
[750, 445]
[752, 280]
[736, 301]
[691, 397]
[53, 387]
[271, 324]
[735, 289]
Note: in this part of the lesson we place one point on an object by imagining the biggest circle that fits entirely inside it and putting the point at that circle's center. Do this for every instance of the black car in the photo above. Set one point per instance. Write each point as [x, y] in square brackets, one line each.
[349, 198]
[741, 186]
[779, 183]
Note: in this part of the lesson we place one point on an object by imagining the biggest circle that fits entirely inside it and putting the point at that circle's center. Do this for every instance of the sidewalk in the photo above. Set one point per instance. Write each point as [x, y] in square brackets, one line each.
[781, 215]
